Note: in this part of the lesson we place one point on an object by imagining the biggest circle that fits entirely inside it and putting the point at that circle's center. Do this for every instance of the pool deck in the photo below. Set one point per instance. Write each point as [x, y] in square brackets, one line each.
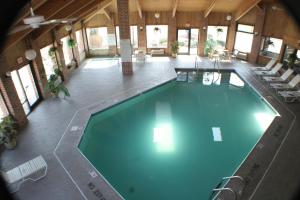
[97, 84]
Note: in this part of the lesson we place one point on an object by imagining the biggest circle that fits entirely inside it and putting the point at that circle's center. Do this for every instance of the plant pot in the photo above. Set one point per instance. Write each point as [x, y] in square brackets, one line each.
[174, 55]
[11, 144]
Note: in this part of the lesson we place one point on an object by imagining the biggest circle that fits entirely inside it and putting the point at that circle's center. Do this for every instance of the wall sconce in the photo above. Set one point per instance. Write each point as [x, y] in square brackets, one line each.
[68, 27]
[204, 27]
[7, 74]
[141, 28]
[157, 15]
[255, 33]
[187, 25]
[30, 54]
[228, 17]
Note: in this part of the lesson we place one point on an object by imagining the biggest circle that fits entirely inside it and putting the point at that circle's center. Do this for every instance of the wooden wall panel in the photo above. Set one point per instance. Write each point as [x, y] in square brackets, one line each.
[249, 18]
[217, 19]
[192, 18]
[275, 23]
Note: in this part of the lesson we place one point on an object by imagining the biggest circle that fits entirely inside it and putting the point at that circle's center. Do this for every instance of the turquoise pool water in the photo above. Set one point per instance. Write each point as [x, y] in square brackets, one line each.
[160, 145]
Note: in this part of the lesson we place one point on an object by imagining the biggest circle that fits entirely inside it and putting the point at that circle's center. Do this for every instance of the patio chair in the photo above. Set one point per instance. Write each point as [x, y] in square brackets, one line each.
[290, 96]
[33, 170]
[272, 72]
[268, 66]
[282, 78]
[286, 86]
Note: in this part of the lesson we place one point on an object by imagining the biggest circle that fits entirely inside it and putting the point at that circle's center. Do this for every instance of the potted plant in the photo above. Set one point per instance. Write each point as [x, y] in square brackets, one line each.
[156, 29]
[8, 132]
[71, 43]
[52, 51]
[174, 48]
[55, 86]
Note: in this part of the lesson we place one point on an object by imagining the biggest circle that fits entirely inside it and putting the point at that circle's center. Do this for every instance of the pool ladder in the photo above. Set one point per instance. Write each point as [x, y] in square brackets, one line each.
[217, 189]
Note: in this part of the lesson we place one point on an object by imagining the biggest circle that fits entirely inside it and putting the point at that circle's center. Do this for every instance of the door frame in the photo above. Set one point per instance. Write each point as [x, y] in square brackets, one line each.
[189, 38]
[34, 105]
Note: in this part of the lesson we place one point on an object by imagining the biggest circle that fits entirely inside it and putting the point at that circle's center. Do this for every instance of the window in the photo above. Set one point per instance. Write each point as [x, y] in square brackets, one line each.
[218, 34]
[133, 36]
[68, 54]
[3, 109]
[97, 38]
[49, 61]
[79, 39]
[244, 38]
[270, 47]
[157, 36]
[298, 54]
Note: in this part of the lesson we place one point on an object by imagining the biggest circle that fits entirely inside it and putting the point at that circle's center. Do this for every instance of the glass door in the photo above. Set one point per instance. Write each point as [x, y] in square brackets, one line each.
[26, 88]
[188, 40]
[183, 38]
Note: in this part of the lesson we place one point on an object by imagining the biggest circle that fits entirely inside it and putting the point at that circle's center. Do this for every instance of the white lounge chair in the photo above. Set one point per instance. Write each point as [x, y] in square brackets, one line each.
[290, 96]
[268, 66]
[282, 78]
[272, 72]
[286, 86]
[33, 170]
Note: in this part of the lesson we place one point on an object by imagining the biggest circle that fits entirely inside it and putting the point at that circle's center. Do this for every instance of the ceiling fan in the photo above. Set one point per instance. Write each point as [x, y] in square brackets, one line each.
[35, 21]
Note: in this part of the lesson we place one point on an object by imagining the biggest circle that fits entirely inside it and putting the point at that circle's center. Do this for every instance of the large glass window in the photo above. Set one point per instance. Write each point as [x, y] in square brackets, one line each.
[133, 36]
[97, 38]
[270, 47]
[244, 38]
[49, 60]
[157, 36]
[217, 34]
[79, 39]
[3, 109]
[68, 54]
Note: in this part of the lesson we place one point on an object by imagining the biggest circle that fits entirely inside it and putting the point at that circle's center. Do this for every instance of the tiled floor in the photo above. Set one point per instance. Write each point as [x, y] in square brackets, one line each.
[97, 79]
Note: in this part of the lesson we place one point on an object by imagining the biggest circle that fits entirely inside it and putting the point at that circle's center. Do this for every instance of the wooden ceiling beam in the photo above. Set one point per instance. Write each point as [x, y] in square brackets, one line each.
[48, 10]
[245, 7]
[139, 8]
[71, 11]
[210, 8]
[106, 13]
[175, 8]
[100, 9]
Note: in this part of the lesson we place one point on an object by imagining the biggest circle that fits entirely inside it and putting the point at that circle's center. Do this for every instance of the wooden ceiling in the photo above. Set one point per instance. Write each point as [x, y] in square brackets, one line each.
[53, 9]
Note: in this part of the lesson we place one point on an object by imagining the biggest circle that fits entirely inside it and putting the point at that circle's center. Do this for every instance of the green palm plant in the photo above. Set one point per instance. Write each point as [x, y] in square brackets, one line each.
[8, 132]
[55, 86]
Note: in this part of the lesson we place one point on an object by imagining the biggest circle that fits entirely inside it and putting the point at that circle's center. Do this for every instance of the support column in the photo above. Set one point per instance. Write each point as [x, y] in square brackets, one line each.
[85, 40]
[258, 28]
[125, 46]
[75, 50]
[172, 29]
[111, 31]
[39, 69]
[202, 35]
[12, 100]
[142, 33]
[231, 35]
[60, 55]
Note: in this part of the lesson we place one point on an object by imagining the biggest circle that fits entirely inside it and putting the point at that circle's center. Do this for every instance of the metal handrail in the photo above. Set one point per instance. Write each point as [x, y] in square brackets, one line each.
[234, 177]
[226, 189]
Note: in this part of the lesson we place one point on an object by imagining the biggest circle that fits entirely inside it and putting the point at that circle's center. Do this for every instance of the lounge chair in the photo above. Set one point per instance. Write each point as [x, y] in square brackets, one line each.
[286, 86]
[282, 78]
[268, 66]
[290, 96]
[33, 170]
[272, 72]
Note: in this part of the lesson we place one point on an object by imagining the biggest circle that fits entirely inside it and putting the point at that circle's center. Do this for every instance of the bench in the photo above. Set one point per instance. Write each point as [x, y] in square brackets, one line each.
[157, 52]
[33, 170]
